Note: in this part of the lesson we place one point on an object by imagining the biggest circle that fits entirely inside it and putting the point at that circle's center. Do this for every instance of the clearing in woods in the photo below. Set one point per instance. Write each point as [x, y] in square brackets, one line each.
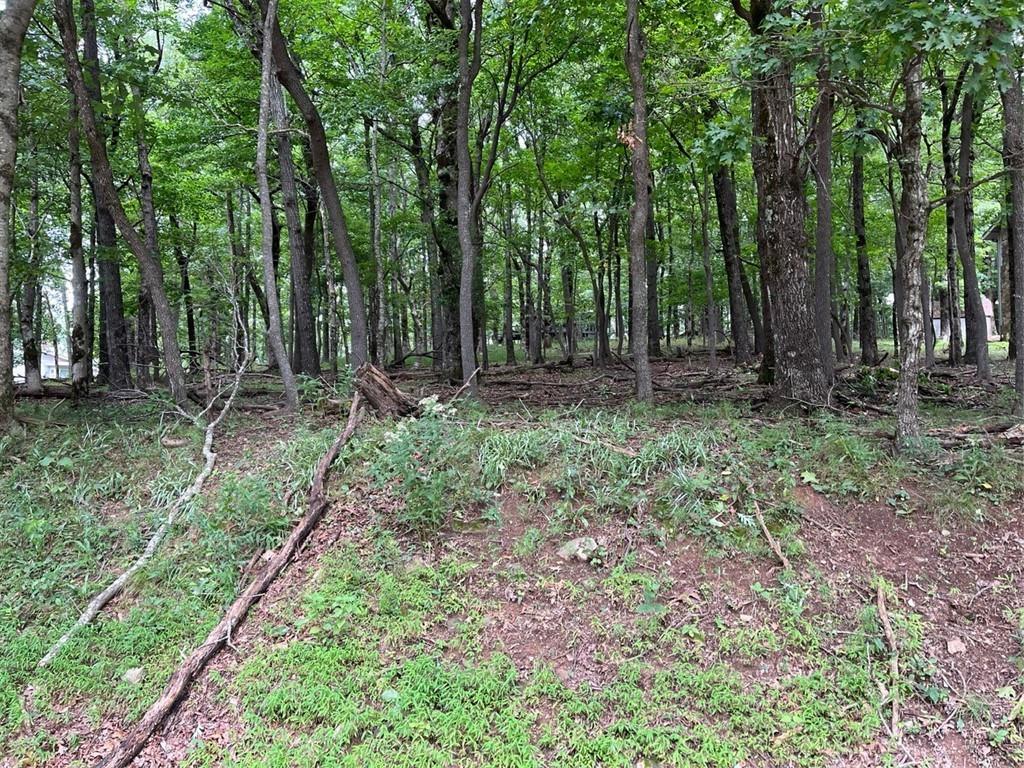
[538, 583]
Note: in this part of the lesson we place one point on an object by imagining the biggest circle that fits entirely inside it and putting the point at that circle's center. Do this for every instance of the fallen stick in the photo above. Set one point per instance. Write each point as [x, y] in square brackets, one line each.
[220, 635]
[117, 585]
[894, 661]
[772, 543]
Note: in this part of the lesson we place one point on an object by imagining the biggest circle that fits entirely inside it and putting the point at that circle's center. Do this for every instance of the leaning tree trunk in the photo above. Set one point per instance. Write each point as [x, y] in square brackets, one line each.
[307, 359]
[275, 331]
[1013, 144]
[914, 217]
[103, 183]
[291, 78]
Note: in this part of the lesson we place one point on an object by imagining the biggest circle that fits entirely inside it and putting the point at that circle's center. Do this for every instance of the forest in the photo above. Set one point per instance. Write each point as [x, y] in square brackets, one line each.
[572, 383]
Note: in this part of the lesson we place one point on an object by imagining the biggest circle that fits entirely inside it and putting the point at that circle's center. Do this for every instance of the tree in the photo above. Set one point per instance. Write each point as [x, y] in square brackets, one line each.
[274, 327]
[103, 183]
[777, 169]
[636, 139]
[1013, 143]
[14, 22]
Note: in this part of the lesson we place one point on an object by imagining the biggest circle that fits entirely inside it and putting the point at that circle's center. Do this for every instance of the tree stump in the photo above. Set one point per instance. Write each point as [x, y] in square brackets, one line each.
[381, 393]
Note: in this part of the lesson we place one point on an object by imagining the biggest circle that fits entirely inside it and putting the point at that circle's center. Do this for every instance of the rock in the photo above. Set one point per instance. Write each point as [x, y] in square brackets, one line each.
[583, 549]
[955, 646]
[135, 675]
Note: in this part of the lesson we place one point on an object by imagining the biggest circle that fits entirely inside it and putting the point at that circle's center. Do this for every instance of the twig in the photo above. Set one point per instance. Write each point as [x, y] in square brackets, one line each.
[115, 587]
[894, 660]
[772, 543]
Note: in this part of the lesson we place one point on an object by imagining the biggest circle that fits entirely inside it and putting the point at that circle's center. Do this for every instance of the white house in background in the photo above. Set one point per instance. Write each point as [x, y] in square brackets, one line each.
[53, 366]
[990, 321]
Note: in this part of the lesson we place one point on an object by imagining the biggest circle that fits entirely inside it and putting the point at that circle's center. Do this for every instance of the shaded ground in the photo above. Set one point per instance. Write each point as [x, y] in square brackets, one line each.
[432, 621]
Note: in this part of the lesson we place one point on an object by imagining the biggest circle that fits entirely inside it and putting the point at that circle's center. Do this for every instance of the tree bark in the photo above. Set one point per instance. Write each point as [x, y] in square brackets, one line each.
[28, 306]
[637, 142]
[291, 78]
[912, 229]
[182, 259]
[867, 330]
[949, 105]
[729, 231]
[114, 368]
[81, 339]
[824, 258]
[13, 24]
[1013, 154]
[471, 17]
[777, 170]
[963, 222]
[275, 331]
[307, 359]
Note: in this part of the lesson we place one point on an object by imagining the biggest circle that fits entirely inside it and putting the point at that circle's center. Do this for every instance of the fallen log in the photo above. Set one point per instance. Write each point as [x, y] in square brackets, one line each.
[220, 635]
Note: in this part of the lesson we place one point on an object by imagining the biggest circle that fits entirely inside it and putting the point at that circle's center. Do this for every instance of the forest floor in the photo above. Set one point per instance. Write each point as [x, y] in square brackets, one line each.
[558, 578]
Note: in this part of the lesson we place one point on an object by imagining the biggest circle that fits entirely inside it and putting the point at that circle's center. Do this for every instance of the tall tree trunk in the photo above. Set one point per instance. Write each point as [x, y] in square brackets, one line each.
[470, 16]
[149, 267]
[963, 221]
[182, 259]
[307, 359]
[781, 206]
[1013, 158]
[912, 229]
[510, 346]
[867, 330]
[81, 339]
[710, 310]
[146, 353]
[29, 305]
[637, 140]
[275, 330]
[13, 24]
[291, 78]
[114, 368]
[729, 231]
[824, 258]
[949, 105]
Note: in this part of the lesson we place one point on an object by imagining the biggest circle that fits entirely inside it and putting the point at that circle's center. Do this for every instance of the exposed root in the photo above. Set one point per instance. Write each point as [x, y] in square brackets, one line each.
[220, 635]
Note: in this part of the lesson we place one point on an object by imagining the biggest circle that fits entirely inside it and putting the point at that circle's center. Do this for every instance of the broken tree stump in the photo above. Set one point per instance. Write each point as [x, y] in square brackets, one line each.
[381, 393]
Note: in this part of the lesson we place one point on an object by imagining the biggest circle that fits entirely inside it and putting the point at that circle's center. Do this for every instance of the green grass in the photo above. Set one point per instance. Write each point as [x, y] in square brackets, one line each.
[80, 497]
[360, 686]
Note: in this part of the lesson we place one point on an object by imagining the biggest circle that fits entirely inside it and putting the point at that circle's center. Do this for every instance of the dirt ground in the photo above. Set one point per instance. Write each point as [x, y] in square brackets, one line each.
[963, 580]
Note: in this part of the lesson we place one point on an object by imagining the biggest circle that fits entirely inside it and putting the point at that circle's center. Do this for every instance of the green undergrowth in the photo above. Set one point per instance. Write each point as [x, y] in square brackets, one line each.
[698, 471]
[80, 498]
[384, 666]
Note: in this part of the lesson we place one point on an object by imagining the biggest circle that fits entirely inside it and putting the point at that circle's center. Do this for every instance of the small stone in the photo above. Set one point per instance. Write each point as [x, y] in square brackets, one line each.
[955, 646]
[135, 675]
[582, 549]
